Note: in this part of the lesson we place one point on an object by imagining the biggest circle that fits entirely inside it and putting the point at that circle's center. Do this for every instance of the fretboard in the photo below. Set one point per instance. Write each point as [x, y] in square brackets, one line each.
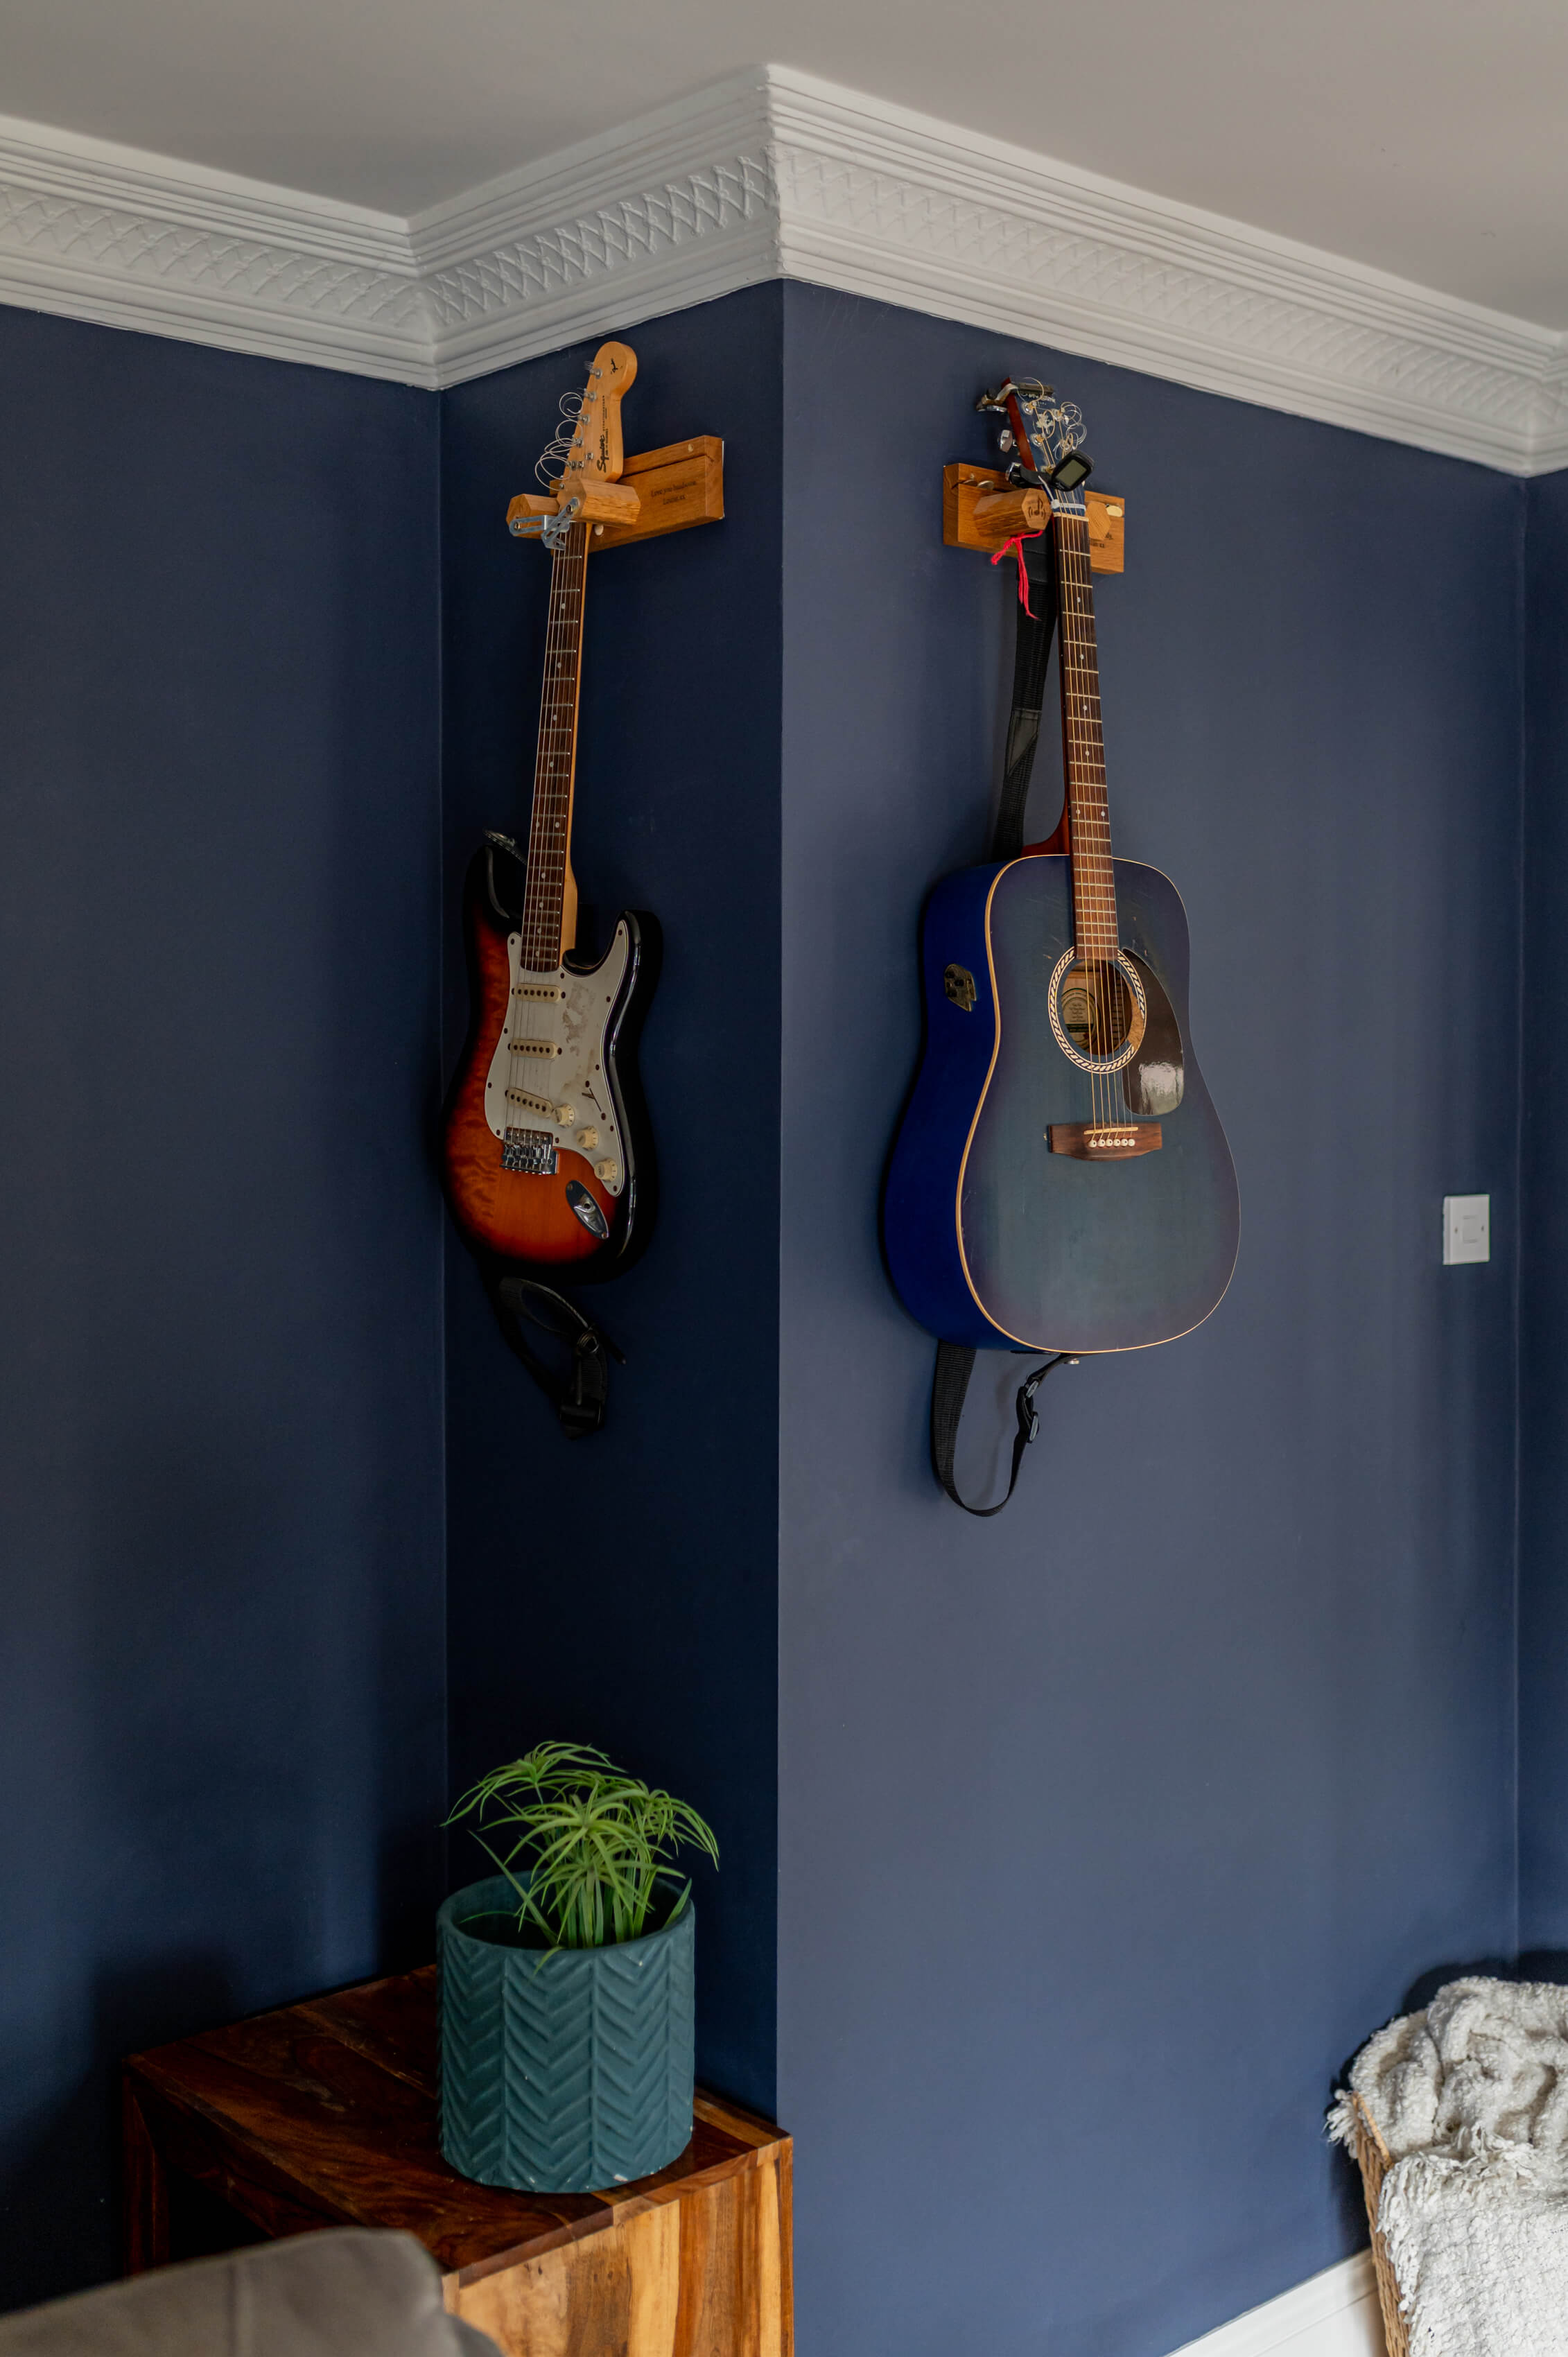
[550, 834]
[1083, 747]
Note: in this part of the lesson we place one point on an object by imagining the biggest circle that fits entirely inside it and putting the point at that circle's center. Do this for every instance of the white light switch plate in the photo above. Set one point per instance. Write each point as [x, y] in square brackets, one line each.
[1466, 1228]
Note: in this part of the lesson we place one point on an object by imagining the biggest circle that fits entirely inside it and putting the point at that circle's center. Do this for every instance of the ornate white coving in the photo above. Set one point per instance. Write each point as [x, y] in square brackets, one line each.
[883, 202]
[671, 211]
[103, 232]
[773, 174]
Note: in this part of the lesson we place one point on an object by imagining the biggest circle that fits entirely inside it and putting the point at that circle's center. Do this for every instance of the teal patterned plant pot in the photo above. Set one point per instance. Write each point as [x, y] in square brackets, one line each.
[564, 2073]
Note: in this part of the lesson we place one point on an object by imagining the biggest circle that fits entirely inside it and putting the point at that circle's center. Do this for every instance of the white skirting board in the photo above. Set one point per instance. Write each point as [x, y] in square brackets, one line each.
[1331, 2315]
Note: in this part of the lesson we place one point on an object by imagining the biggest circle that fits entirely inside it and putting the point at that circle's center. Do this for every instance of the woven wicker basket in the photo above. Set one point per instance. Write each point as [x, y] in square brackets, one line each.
[1375, 2158]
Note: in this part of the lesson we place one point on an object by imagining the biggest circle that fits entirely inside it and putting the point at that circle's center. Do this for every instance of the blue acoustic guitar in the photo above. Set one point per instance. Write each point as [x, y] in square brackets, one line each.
[1061, 1181]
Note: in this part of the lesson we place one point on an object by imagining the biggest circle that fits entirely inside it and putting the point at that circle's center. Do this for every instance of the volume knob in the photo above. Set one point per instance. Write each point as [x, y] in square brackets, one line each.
[607, 1172]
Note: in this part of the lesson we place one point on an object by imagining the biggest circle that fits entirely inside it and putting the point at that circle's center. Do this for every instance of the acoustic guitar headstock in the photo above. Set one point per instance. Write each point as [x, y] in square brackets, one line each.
[1043, 439]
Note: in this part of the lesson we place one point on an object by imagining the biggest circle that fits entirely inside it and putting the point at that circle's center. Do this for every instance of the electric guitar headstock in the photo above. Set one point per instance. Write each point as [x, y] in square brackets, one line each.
[595, 453]
[1043, 441]
[580, 469]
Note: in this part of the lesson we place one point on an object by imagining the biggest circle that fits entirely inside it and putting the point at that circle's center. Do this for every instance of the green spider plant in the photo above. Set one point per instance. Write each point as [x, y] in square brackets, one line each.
[584, 1847]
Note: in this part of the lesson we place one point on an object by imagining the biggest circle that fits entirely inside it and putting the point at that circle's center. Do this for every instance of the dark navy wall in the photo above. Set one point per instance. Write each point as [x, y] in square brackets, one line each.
[1543, 1364]
[220, 1689]
[1110, 1828]
[1069, 1855]
[623, 1590]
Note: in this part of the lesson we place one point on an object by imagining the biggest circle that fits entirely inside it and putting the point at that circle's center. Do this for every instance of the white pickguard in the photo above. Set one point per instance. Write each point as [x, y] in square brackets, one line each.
[548, 1073]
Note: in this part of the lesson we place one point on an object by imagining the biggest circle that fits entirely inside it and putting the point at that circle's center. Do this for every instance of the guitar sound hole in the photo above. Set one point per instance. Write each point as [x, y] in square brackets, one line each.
[1097, 1010]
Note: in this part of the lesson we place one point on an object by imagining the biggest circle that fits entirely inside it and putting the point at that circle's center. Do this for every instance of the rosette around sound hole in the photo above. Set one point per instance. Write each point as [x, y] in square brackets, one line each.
[1097, 1010]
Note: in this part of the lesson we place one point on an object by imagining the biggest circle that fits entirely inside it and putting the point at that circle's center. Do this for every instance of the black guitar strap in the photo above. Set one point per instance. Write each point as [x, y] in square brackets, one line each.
[955, 1361]
[1032, 654]
[580, 1393]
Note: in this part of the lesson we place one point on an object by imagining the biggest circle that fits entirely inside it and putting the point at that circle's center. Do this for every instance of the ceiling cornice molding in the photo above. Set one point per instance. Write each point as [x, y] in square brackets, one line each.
[773, 174]
[673, 209]
[879, 201]
[101, 232]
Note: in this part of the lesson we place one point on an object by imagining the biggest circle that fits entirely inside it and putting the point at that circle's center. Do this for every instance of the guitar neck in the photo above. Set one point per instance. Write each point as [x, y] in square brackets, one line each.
[1083, 747]
[545, 912]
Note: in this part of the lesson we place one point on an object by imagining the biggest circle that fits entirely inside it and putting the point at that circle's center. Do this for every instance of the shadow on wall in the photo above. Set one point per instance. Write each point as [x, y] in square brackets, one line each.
[62, 2230]
[1545, 1964]
[1425, 1986]
[1542, 1964]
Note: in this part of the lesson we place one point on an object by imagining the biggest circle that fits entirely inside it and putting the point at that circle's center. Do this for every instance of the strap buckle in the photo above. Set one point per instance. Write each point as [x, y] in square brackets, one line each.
[955, 1364]
[581, 1395]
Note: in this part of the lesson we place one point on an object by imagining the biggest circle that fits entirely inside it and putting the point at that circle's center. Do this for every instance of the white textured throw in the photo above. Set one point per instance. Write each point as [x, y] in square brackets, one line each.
[1471, 2098]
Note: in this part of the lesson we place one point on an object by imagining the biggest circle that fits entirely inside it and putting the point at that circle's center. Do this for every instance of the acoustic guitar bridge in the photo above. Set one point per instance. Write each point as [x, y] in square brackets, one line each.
[1089, 1141]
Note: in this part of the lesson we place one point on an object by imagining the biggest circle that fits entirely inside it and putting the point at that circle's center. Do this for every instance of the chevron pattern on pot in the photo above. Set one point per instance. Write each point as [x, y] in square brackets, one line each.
[564, 2073]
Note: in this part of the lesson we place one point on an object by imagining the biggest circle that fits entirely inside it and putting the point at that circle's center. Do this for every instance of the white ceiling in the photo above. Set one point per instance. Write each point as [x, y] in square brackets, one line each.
[1422, 136]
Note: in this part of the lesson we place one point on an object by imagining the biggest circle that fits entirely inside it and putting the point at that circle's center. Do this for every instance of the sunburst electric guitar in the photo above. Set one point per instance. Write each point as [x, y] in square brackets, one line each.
[547, 1155]
[1061, 1181]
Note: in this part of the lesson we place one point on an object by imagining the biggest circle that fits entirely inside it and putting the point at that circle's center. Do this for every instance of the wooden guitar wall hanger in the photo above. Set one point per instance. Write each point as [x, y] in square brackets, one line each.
[657, 491]
[981, 510]
[548, 1158]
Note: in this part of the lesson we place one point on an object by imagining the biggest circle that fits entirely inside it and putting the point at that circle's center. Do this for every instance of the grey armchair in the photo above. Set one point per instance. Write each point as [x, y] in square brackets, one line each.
[343, 2293]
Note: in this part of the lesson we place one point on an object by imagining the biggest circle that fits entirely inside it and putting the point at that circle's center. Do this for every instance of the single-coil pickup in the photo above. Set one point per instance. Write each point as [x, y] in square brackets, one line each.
[552, 991]
[534, 1104]
[533, 1048]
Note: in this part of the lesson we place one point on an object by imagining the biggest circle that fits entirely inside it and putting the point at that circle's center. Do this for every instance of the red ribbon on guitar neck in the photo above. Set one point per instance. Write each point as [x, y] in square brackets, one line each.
[1016, 545]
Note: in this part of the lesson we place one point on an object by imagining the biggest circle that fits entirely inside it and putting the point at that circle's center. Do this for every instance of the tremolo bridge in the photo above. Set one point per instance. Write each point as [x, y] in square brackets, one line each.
[533, 1150]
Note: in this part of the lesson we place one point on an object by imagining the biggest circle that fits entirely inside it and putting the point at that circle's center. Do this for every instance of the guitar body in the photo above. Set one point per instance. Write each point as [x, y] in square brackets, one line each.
[570, 1196]
[993, 1239]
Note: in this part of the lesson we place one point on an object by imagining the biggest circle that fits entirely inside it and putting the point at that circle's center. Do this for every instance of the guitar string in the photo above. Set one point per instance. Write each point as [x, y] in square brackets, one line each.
[545, 881]
[1096, 930]
[580, 545]
[530, 959]
[1080, 858]
[1088, 832]
[544, 948]
[519, 1025]
[532, 898]
[553, 750]
[549, 949]
[1088, 673]
[1083, 677]
[1091, 832]
[1077, 828]
[1111, 995]
[1065, 663]
[1066, 669]
[1079, 848]
[556, 745]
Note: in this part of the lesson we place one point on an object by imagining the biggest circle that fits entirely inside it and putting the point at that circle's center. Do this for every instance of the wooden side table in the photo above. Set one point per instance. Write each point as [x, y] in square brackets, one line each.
[324, 2115]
